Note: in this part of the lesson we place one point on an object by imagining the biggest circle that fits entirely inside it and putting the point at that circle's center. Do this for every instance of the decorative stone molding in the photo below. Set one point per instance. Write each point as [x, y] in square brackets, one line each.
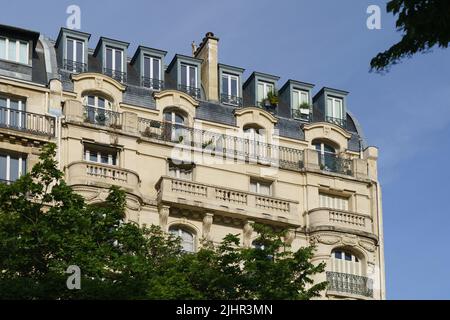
[247, 234]
[367, 245]
[207, 223]
[289, 237]
[164, 212]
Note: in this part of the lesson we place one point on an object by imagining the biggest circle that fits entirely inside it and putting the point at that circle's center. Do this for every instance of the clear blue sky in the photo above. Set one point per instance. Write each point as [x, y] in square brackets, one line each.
[405, 113]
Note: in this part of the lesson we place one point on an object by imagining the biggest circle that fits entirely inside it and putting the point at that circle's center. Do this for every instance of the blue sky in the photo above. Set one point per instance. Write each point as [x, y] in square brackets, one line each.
[405, 113]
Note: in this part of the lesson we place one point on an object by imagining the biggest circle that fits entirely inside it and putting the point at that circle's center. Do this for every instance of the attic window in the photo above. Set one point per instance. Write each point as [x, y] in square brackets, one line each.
[14, 50]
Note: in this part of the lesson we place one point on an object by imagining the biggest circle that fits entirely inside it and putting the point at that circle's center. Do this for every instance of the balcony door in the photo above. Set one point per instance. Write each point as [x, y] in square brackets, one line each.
[114, 64]
[174, 127]
[99, 110]
[327, 156]
[152, 73]
[255, 142]
[74, 55]
[230, 89]
[345, 262]
[12, 113]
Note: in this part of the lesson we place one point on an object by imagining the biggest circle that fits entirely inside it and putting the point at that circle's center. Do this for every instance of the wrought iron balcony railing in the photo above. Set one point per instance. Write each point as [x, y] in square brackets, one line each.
[223, 145]
[349, 283]
[74, 66]
[334, 163]
[337, 121]
[192, 91]
[102, 117]
[115, 74]
[233, 100]
[301, 114]
[33, 123]
[152, 83]
[7, 182]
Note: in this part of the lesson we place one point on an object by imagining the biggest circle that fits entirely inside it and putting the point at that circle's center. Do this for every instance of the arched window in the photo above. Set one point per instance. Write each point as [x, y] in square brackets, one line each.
[174, 126]
[187, 238]
[98, 109]
[254, 141]
[343, 261]
[327, 155]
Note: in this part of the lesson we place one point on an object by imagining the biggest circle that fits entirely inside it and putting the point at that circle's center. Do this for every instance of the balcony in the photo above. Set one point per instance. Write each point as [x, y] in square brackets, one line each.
[343, 283]
[74, 66]
[334, 163]
[102, 175]
[115, 74]
[192, 91]
[225, 146]
[221, 199]
[337, 121]
[152, 83]
[326, 217]
[301, 114]
[231, 100]
[23, 121]
[102, 117]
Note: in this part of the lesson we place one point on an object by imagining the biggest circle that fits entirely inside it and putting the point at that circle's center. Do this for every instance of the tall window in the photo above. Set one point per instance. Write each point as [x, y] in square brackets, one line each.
[327, 156]
[333, 202]
[174, 129]
[114, 64]
[261, 187]
[187, 238]
[152, 72]
[188, 75]
[11, 167]
[14, 50]
[12, 113]
[230, 88]
[345, 262]
[335, 110]
[255, 141]
[263, 90]
[97, 109]
[75, 55]
[101, 155]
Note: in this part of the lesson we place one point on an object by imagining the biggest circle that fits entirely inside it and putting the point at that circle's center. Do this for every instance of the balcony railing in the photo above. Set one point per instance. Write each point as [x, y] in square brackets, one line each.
[115, 74]
[301, 114]
[232, 100]
[7, 182]
[328, 217]
[334, 163]
[337, 121]
[155, 84]
[218, 198]
[24, 121]
[74, 66]
[349, 283]
[192, 91]
[102, 117]
[223, 145]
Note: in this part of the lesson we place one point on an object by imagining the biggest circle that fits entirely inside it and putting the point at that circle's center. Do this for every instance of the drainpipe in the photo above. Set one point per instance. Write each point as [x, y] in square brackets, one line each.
[381, 242]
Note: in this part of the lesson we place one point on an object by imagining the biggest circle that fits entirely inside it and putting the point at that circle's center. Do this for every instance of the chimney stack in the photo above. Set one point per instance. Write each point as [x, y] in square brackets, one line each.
[208, 51]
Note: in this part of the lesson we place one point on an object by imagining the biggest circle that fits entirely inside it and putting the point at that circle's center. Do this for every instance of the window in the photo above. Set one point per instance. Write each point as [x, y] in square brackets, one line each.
[14, 50]
[299, 97]
[230, 85]
[254, 143]
[333, 202]
[335, 109]
[175, 131]
[180, 171]
[98, 110]
[114, 64]
[263, 89]
[101, 155]
[12, 113]
[188, 76]
[11, 167]
[345, 262]
[74, 55]
[187, 238]
[261, 187]
[327, 156]
[152, 72]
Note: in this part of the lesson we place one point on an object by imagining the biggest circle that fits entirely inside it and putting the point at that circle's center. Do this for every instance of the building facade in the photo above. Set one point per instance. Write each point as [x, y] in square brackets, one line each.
[198, 150]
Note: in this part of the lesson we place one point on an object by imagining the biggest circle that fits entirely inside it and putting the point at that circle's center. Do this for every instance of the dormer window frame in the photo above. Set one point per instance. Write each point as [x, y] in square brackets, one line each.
[138, 62]
[61, 46]
[321, 101]
[114, 51]
[17, 52]
[230, 72]
[175, 72]
[101, 51]
[74, 65]
[250, 87]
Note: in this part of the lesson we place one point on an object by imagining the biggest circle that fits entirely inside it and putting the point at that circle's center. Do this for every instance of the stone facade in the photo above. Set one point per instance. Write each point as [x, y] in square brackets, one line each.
[204, 177]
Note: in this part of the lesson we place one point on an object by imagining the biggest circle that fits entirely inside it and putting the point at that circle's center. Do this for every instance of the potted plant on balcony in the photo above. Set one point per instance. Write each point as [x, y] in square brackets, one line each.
[305, 108]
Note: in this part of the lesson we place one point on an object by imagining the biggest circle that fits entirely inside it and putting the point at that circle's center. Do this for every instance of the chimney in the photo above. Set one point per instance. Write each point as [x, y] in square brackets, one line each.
[208, 51]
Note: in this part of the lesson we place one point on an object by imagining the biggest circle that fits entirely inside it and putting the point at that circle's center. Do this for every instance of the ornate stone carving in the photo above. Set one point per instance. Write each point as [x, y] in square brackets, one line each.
[349, 240]
[248, 231]
[289, 237]
[367, 245]
[207, 223]
[163, 216]
[325, 239]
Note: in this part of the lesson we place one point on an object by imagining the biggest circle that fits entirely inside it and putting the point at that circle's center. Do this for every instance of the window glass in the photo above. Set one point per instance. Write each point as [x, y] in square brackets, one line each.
[234, 86]
[147, 67]
[101, 103]
[261, 96]
[295, 99]
[156, 69]
[338, 254]
[109, 61]
[225, 84]
[2, 48]
[93, 156]
[187, 238]
[13, 169]
[264, 189]
[2, 102]
[192, 79]
[184, 75]
[79, 51]
[70, 49]
[12, 50]
[348, 257]
[3, 167]
[118, 60]
[104, 158]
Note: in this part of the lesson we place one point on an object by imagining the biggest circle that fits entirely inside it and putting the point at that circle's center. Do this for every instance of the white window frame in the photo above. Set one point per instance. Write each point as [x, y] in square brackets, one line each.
[322, 149]
[188, 73]
[8, 166]
[334, 202]
[151, 71]
[113, 58]
[108, 104]
[332, 109]
[18, 42]
[180, 231]
[74, 49]
[300, 94]
[266, 90]
[229, 77]
[353, 266]
[258, 186]
[87, 157]
[22, 107]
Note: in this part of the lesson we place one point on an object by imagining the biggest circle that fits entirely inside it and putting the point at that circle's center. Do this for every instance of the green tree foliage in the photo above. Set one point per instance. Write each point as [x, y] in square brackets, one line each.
[424, 24]
[46, 227]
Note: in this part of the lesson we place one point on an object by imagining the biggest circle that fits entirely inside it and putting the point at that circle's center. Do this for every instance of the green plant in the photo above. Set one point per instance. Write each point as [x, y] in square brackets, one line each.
[272, 96]
[207, 143]
[304, 105]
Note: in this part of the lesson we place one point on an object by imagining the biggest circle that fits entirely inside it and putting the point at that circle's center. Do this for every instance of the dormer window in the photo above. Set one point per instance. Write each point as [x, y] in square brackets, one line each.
[300, 104]
[188, 76]
[335, 111]
[114, 64]
[230, 89]
[74, 60]
[263, 90]
[14, 50]
[152, 73]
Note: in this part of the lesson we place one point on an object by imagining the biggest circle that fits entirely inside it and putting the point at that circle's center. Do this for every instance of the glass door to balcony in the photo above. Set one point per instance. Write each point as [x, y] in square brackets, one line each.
[230, 90]
[327, 156]
[12, 113]
[152, 73]
[255, 143]
[174, 128]
[75, 56]
[99, 110]
[114, 64]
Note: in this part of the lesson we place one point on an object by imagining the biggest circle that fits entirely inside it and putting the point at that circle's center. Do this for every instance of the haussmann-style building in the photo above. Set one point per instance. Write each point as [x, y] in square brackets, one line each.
[199, 150]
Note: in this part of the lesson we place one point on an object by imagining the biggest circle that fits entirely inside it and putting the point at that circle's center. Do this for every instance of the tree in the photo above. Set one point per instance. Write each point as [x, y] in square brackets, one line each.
[45, 227]
[424, 23]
